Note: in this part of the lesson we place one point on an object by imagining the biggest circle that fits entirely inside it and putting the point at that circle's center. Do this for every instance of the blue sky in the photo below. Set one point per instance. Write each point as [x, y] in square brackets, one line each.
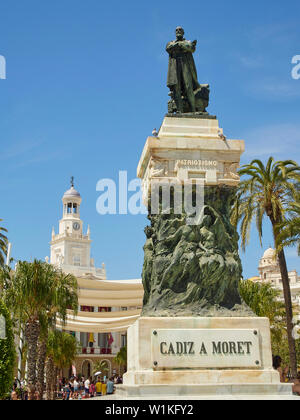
[86, 85]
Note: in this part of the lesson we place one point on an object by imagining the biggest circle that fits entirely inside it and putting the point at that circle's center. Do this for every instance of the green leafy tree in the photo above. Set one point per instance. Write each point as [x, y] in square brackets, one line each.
[3, 244]
[62, 348]
[33, 293]
[7, 354]
[288, 232]
[268, 191]
[121, 358]
[280, 347]
[264, 301]
[63, 296]
[101, 366]
[262, 298]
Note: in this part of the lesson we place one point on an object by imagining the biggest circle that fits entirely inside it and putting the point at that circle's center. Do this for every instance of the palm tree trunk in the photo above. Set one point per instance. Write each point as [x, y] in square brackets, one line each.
[32, 331]
[289, 312]
[49, 377]
[54, 383]
[41, 360]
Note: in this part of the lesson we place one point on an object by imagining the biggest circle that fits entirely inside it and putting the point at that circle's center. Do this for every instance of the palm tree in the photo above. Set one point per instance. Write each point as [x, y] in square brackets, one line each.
[267, 191]
[101, 366]
[62, 348]
[121, 358]
[52, 348]
[3, 245]
[26, 294]
[36, 293]
[288, 232]
[63, 296]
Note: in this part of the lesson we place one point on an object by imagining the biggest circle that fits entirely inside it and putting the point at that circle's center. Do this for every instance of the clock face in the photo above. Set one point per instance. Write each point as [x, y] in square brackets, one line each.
[76, 226]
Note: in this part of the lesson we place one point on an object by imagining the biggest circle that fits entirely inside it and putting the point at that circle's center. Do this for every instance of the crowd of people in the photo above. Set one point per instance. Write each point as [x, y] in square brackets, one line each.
[77, 389]
[80, 388]
[73, 389]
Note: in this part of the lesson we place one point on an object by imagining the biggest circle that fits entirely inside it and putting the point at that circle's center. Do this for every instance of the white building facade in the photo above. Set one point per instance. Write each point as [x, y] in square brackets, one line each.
[106, 308]
[269, 271]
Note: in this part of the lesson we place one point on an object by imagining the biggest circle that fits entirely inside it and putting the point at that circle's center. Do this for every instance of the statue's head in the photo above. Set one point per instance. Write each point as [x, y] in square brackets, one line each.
[179, 33]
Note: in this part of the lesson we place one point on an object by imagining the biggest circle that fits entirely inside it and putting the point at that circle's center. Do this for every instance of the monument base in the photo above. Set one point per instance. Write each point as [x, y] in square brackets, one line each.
[201, 358]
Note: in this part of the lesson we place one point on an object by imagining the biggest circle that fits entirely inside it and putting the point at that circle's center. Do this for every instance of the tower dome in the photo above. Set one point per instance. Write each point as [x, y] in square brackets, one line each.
[71, 192]
[269, 253]
[71, 202]
[268, 259]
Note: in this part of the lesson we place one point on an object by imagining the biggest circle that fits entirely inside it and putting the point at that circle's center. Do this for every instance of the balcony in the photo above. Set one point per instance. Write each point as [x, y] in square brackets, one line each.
[70, 235]
[96, 350]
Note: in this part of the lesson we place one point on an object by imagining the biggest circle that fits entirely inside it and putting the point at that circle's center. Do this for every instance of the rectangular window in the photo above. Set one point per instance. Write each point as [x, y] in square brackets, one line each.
[84, 339]
[103, 340]
[76, 260]
[87, 308]
[123, 340]
[103, 309]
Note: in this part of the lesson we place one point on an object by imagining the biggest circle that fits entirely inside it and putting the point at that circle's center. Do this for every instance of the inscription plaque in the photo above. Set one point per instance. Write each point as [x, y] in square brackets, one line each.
[205, 348]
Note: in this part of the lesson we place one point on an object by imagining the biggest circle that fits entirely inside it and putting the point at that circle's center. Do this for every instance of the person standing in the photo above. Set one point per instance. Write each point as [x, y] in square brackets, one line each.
[92, 389]
[98, 387]
[87, 387]
[14, 394]
[67, 392]
[277, 361]
[104, 388]
[110, 386]
[76, 387]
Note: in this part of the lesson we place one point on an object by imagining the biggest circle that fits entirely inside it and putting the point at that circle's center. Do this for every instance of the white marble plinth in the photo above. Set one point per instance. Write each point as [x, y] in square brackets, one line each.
[189, 150]
[190, 127]
[149, 379]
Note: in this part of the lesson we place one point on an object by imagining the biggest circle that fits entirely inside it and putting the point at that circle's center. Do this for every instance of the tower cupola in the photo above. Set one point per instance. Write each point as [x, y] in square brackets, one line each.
[71, 202]
[70, 247]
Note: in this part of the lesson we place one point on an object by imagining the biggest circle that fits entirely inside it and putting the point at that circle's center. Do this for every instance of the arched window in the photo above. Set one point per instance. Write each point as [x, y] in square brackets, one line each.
[86, 369]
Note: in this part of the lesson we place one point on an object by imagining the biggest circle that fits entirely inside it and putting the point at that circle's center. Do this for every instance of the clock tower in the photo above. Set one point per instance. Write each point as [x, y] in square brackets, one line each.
[71, 248]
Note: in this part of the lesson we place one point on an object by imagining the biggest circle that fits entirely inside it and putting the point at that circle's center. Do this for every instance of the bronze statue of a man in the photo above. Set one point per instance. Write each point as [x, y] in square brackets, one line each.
[186, 92]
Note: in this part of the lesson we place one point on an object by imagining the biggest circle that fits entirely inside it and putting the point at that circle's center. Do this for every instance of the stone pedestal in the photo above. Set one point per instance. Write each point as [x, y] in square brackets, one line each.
[196, 338]
[190, 149]
[240, 347]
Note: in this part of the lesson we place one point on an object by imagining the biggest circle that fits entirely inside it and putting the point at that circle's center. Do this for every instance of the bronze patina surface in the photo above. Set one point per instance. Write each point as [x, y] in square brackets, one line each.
[187, 94]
